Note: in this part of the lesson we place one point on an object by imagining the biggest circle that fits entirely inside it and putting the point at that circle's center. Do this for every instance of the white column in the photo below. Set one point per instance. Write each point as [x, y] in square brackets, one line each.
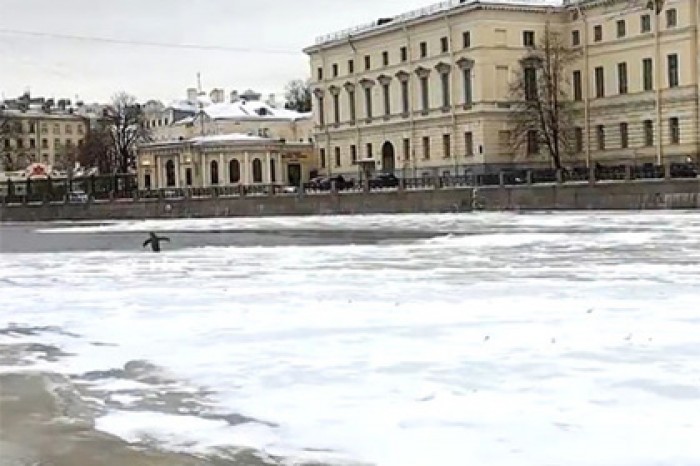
[266, 171]
[159, 175]
[245, 176]
[222, 177]
[178, 167]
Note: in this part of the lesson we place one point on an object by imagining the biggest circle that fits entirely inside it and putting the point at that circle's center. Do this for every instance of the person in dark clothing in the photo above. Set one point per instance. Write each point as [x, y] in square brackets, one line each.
[154, 241]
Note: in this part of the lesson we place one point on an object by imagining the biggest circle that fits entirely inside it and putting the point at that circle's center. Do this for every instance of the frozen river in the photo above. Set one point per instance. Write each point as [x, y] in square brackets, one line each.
[476, 339]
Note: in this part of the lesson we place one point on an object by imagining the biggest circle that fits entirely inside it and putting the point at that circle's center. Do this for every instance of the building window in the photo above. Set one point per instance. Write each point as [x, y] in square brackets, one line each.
[404, 54]
[671, 18]
[69, 129]
[622, 78]
[467, 82]
[444, 45]
[32, 143]
[234, 171]
[353, 154]
[170, 173]
[578, 140]
[32, 127]
[426, 148]
[147, 181]
[322, 156]
[406, 149]
[647, 74]
[385, 58]
[674, 130]
[188, 176]
[533, 146]
[446, 146]
[529, 38]
[599, 82]
[56, 128]
[368, 62]
[20, 143]
[621, 28]
[319, 73]
[672, 70]
[368, 103]
[648, 133]
[598, 33]
[575, 38]
[368, 148]
[530, 76]
[351, 66]
[578, 89]
[386, 91]
[336, 108]
[424, 92]
[257, 171]
[624, 136]
[600, 134]
[468, 144]
[466, 39]
[321, 111]
[404, 97]
[44, 143]
[56, 143]
[273, 171]
[337, 156]
[214, 172]
[351, 105]
[445, 81]
[44, 128]
[423, 49]
[645, 24]
[335, 70]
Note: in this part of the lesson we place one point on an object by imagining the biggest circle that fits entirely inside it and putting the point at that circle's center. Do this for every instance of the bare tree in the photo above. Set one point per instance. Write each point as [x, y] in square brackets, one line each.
[298, 96]
[125, 118]
[544, 112]
[98, 151]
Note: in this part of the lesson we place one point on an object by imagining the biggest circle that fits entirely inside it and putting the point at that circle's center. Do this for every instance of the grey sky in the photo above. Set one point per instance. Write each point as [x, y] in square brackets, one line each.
[94, 71]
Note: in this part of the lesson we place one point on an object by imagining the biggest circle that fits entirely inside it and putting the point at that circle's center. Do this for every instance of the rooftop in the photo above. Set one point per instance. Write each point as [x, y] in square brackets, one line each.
[421, 13]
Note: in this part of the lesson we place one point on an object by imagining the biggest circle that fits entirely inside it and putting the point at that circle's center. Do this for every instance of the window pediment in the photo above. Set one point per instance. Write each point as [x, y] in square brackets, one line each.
[422, 72]
[443, 68]
[465, 63]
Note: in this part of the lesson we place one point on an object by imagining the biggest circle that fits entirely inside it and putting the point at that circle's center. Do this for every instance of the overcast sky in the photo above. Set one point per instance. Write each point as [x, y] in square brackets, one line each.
[56, 67]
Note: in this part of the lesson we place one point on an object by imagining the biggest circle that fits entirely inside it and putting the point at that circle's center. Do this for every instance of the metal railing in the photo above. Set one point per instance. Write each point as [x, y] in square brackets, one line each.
[124, 187]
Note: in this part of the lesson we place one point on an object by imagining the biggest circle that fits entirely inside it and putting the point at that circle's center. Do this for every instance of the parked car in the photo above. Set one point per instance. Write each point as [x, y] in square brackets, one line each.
[77, 197]
[384, 180]
[324, 183]
[683, 170]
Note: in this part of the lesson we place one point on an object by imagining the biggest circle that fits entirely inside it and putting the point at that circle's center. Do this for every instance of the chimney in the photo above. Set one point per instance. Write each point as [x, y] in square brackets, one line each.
[234, 97]
[217, 95]
[271, 101]
[192, 94]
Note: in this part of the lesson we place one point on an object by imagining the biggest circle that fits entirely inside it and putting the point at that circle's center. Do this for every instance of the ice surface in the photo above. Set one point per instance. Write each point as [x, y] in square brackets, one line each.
[548, 339]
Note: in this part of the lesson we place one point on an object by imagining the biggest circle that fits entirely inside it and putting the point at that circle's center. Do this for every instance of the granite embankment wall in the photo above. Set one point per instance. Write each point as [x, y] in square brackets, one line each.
[629, 195]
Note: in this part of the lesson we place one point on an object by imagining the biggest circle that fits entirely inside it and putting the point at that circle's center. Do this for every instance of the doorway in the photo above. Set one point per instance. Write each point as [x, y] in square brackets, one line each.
[388, 158]
[294, 174]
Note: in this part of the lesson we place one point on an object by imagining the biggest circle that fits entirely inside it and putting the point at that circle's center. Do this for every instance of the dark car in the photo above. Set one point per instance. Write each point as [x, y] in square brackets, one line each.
[683, 170]
[384, 180]
[325, 183]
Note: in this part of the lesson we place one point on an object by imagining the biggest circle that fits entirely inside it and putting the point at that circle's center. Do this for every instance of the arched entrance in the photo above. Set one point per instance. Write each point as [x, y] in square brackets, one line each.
[388, 158]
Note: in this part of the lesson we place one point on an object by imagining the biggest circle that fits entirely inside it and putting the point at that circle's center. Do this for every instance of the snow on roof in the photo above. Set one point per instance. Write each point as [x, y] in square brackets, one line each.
[232, 137]
[237, 110]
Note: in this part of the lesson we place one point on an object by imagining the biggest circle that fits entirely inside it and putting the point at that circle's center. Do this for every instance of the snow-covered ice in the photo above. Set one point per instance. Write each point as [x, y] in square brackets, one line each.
[542, 339]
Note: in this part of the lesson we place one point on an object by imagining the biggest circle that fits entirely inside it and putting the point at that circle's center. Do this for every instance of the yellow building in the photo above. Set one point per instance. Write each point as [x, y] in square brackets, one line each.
[428, 92]
[36, 136]
[224, 160]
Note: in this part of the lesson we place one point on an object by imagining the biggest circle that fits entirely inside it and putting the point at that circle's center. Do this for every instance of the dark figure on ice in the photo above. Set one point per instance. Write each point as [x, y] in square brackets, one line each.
[154, 241]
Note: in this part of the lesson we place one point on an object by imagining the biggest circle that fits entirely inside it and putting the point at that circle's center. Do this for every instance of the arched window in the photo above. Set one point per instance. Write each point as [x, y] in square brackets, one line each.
[273, 177]
[257, 171]
[234, 171]
[214, 172]
[170, 173]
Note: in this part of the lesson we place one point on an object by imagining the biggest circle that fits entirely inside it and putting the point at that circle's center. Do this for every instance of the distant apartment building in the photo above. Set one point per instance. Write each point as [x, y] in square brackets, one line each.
[244, 113]
[429, 91]
[38, 130]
